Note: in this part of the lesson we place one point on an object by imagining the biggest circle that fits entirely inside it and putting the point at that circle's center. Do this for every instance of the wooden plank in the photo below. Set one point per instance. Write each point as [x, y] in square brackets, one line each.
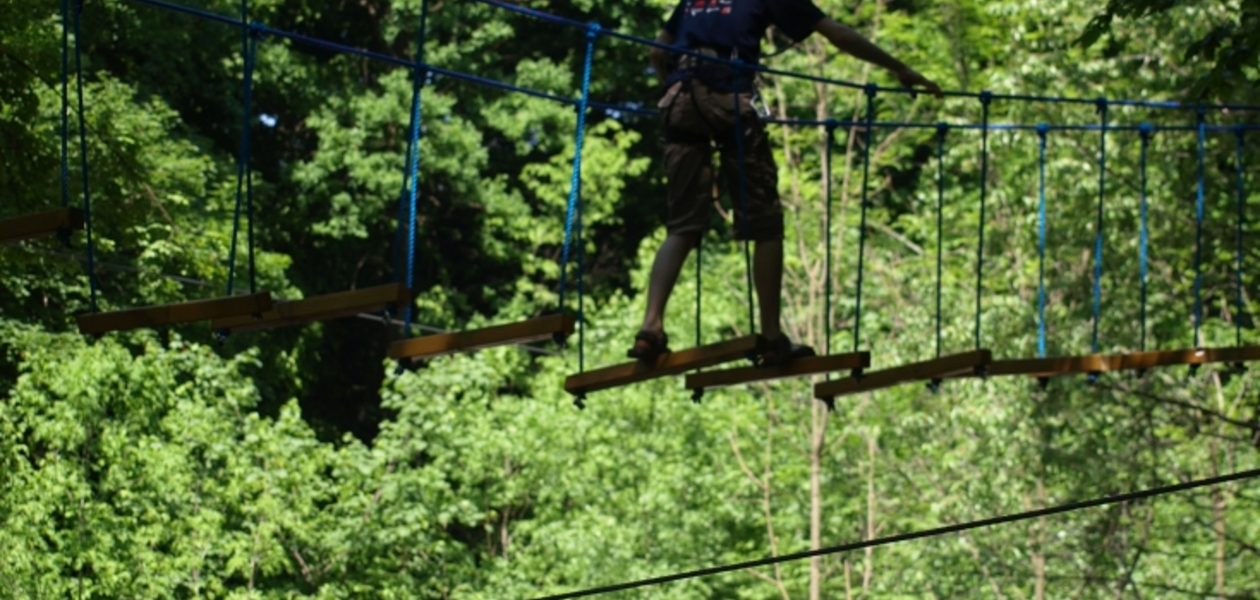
[672, 363]
[319, 308]
[928, 370]
[1055, 366]
[170, 314]
[41, 224]
[431, 346]
[800, 367]
[1238, 354]
[1142, 361]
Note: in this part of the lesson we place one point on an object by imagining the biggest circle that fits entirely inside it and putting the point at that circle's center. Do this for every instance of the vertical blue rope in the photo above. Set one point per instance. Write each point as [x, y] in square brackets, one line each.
[403, 193]
[870, 91]
[1238, 270]
[986, 98]
[581, 286]
[1042, 129]
[1098, 233]
[83, 158]
[699, 254]
[1201, 126]
[736, 72]
[575, 181]
[942, 129]
[831, 141]
[242, 162]
[249, 191]
[402, 206]
[413, 161]
[1144, 130]
[65, 103]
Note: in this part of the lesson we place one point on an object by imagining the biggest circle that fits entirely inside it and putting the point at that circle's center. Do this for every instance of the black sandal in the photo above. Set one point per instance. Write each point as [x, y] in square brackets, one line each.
[780, 351]
[648, 346]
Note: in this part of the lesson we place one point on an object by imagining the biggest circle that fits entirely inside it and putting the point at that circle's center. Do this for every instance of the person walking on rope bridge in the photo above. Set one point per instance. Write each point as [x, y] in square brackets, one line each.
[699, 112]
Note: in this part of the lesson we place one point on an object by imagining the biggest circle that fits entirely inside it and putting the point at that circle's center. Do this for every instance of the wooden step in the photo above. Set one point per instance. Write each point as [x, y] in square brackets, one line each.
[37, 225]
[928, 370]
[1142, 361]
[319, 308]
[524, 332]
[1237, 354]
[1055, 366]
[171, 314]
[672, 363]
[801, 367]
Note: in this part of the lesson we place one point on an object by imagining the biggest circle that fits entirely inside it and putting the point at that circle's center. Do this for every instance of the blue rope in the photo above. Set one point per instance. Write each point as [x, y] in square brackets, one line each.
[402, 201]
[403, 194]
[1098, 233]
[1042, 129]
[1144, 236]
[967, 126]
[942, 129]
[575, 180]
[849, 84]
[83, 158]
[1198, 232]
[871, 90]
[581, 286]
[737, 67]
[638, 110]
[831, 141]
[65, 104]
[419, 74]
[699, 250]
[985, 98]
[1238, 271]
[249, 193]
[242, 163]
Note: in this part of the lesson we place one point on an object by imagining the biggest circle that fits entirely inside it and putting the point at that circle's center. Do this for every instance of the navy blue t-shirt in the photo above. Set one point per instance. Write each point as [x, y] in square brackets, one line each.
[739, 25]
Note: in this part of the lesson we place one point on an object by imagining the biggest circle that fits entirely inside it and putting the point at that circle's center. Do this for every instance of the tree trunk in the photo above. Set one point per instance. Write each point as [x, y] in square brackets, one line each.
[868, 570]
[816, 445]
[1039, 546]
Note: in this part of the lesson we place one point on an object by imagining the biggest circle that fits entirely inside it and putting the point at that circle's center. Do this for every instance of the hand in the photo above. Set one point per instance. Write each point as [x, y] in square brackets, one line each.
[912, 80]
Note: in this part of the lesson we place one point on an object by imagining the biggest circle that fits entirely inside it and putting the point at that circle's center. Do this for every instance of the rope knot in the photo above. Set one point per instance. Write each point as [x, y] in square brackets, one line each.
[1043, 129]
[986, 97]
[942, 128]
[1100, 105]
[257, 30]
[593, 30]
[870, 89]
[1145, 130]
[1240, 131]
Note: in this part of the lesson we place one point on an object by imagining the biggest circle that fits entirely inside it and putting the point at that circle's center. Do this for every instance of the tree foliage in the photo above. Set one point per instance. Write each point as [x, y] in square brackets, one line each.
[298, 463]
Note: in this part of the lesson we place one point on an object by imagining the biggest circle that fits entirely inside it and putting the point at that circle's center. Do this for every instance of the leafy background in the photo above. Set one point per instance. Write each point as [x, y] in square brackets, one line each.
[299, 463]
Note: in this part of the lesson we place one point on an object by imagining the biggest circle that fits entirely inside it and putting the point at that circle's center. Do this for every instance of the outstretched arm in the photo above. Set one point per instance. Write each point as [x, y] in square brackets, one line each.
[852, 42]
[659, 57]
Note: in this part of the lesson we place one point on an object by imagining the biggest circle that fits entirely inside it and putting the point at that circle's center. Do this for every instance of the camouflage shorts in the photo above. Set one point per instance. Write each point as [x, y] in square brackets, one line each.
[696, 120]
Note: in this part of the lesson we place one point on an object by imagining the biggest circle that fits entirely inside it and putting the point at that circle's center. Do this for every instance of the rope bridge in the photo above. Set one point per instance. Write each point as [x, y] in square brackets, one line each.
[256, 310]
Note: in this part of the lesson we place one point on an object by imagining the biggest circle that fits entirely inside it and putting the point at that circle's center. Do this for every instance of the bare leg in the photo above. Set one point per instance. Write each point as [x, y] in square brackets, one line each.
[768, 281]
[669, 262]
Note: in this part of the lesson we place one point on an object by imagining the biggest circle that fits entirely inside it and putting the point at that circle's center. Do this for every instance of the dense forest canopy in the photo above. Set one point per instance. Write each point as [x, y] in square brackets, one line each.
[300, 463]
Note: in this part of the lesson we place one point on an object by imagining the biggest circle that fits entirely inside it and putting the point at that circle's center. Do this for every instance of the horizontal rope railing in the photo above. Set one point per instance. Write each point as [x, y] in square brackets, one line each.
[1007, 127]
[264, 29]
[267, 30]
[1160, 104]
[915, 535]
